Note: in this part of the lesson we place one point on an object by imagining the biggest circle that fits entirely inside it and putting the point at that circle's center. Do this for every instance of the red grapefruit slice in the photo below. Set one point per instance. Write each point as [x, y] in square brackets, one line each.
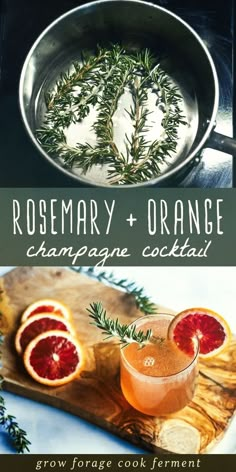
[37, 324]
[211, 330]
[54, 358]
[46, 305]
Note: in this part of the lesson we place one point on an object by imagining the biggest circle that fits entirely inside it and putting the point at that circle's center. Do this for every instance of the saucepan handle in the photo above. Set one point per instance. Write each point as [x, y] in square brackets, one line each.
[222, 143]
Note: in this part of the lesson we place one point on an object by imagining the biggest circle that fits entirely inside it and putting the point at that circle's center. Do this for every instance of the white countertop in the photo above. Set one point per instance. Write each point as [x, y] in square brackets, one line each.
[54, 431]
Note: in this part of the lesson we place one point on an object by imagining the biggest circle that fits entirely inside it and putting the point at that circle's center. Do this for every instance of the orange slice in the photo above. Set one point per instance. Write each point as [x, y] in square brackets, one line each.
[54, 358]
[211, 330]
[46, 305]
[37, 324]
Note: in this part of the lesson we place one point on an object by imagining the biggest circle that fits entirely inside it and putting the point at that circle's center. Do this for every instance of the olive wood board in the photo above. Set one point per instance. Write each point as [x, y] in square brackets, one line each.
[96, 395]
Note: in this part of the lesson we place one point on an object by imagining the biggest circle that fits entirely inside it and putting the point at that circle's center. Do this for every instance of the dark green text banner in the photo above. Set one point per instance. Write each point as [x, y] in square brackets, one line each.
[94, 227]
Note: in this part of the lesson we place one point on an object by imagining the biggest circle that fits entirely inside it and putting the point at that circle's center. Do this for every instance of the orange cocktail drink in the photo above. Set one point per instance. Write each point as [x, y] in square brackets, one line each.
[158, 378]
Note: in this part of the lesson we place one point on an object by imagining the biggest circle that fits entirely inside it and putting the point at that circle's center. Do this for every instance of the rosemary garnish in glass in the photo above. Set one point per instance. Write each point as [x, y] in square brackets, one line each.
[100, 84]
[113, 328]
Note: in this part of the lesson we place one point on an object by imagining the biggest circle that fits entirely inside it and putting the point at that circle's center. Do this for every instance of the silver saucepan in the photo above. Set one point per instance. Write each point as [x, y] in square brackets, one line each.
[183, 55]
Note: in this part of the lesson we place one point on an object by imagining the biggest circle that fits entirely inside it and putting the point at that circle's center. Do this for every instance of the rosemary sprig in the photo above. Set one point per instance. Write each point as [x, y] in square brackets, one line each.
[98, 83]
[113, 328]
[148, 156]
[108, 102]
[17, 435]
[142, 301]
[63, 101]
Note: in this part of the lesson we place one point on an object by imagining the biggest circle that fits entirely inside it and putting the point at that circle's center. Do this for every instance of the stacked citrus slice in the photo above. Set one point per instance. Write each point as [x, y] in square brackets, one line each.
[46, 340]
[208, 327]
[47, 305]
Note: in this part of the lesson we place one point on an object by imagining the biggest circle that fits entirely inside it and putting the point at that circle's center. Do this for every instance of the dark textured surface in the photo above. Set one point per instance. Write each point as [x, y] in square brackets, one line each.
[22, 22]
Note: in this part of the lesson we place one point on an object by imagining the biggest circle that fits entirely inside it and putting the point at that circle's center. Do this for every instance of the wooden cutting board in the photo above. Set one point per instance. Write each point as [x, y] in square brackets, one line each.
[96, 395]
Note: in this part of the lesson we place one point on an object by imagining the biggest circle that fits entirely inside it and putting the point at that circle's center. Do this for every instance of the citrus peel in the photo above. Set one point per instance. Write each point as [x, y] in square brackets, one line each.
[47, 305]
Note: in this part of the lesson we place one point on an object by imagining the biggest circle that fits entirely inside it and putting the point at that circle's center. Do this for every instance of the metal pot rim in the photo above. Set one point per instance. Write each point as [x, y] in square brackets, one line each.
[172, 172]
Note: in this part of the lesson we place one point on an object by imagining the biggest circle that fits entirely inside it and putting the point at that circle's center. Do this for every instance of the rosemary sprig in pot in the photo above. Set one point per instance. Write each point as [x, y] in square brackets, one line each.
[17, 435]
[98, 84]
[142, 301]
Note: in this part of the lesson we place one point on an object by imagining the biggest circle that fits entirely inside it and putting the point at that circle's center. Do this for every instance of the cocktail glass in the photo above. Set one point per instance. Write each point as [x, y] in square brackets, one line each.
[158, 378]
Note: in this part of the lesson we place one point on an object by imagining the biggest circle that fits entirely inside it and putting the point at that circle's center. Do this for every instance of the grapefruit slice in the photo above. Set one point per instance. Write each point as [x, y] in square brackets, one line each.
[211, 330]
[46, 305]
[37, 324]
[53, 358]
